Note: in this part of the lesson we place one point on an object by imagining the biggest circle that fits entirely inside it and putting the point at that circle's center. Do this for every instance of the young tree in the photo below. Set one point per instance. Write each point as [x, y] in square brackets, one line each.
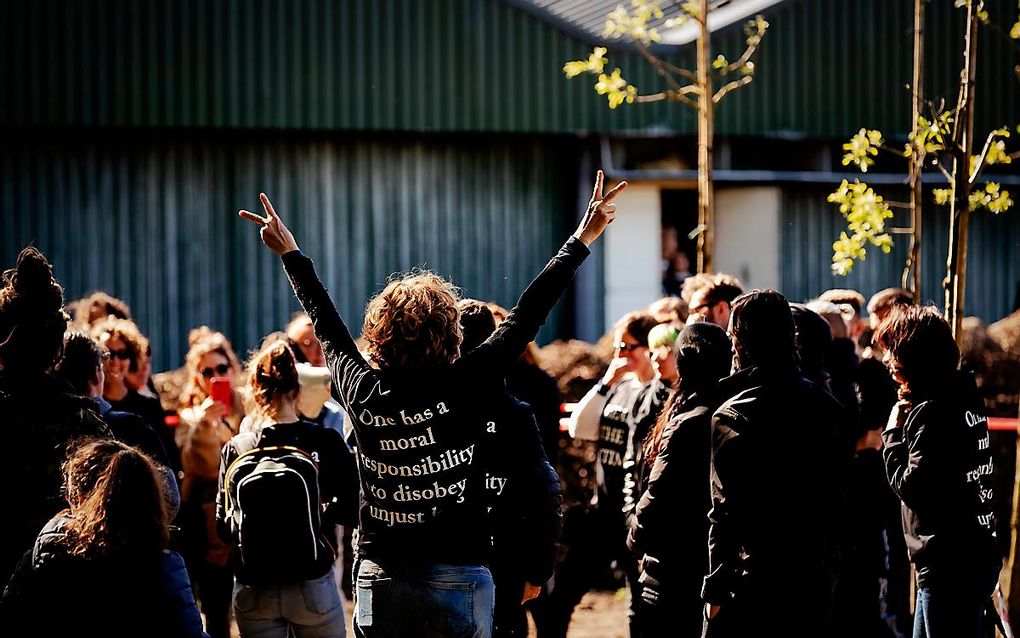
[692, 88]
[947, 140]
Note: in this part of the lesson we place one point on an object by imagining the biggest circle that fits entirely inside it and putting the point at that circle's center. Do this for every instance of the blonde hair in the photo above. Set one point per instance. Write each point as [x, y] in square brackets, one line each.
[413, 323]
[664, 334]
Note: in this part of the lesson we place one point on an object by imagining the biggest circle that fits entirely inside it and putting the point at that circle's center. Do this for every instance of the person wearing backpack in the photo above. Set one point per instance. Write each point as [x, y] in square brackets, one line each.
[282, 489]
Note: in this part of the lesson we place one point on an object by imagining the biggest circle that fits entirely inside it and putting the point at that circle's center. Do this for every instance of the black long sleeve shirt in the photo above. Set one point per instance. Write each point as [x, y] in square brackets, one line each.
[940, 465]
[418, 430]
[523, 493]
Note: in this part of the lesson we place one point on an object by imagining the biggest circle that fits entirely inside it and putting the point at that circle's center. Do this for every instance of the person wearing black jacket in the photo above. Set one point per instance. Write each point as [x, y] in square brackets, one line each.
[938, 460]
[775, 484]
[41, 413]
[300, 595]
[417, 416]
[523, 491]
[670, 530]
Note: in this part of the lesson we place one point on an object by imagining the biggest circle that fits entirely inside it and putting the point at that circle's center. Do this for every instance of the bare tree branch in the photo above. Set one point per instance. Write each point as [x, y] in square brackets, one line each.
[726, 88]
[657, 64]
[898, 204]
[935, 162]
[687, 73]
[679, 95]
[980, 165]
[745, 57]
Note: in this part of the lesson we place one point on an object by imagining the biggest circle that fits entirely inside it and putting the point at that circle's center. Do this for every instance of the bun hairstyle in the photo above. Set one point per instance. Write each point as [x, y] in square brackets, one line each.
[32, 319]
[272, 373]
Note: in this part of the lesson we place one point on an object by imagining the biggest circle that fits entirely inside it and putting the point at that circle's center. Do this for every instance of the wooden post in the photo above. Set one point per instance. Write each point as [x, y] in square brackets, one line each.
[912, 273]
[706, 217]
[956, 266]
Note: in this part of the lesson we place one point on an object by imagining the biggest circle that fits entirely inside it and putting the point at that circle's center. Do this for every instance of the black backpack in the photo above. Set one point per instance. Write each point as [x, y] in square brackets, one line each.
[272, 504]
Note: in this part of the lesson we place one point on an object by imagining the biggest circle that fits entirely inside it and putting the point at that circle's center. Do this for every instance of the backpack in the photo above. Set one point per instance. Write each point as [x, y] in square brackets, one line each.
[272, 505]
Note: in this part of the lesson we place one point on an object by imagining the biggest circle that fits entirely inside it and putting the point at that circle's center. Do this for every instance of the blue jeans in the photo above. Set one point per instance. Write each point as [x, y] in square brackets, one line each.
[432, 601]
[311, 609]
[953, 612]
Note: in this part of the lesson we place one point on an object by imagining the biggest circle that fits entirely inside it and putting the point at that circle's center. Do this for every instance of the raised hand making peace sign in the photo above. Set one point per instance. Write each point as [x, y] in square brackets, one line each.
[274, 234]
[600, 211]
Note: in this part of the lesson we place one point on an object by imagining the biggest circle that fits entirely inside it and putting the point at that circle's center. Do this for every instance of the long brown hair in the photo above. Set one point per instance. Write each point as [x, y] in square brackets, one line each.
[116, 501]
[272, 374]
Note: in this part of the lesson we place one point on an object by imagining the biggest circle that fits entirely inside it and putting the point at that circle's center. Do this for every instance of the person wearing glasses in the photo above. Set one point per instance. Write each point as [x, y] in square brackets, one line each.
[127, 349]
[709, 297]
[205, 426]
[597, 536]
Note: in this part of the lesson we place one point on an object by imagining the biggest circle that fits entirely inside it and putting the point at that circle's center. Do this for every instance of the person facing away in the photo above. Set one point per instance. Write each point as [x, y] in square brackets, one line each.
[939, 462]
[418, 411]
[670, 531]
[39, 412]
[775, 483]
[81, 365]
[523, 493]
[101, 567]
[283, 487]
[596, 536]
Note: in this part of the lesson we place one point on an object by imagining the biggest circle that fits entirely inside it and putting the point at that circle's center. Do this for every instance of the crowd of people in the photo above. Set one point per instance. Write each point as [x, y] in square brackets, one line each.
[761, 467]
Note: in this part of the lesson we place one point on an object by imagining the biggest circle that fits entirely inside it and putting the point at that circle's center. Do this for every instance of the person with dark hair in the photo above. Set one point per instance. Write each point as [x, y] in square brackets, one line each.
[670, 530]
[710, 297]
[523, 491]
[776, 471]
[938, 460]
[101, 567]
[528, 382]
[595, 536]
[41, 413]
[418, 411]
[286, 482]
[81, 365]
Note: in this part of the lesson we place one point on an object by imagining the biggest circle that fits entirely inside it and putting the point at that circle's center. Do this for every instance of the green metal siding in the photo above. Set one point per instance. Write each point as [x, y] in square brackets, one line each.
[154, 221]
[810, 225]
[826, 68]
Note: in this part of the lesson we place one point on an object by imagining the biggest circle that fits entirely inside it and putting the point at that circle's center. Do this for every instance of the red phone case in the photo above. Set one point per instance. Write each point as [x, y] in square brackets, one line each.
[219, 390]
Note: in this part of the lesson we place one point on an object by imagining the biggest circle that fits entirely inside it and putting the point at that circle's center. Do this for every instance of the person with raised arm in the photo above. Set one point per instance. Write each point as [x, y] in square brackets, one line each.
[418, 411]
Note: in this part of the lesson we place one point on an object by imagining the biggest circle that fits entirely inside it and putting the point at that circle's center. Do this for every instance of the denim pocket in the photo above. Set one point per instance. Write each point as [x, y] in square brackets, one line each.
[370, 594]
[450, 608]
[321, 595]
[246, 599]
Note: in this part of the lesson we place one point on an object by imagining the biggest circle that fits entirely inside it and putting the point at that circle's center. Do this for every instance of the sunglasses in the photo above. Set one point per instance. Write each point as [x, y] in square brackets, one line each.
[218, 371]
[623, 346]
[123, 355]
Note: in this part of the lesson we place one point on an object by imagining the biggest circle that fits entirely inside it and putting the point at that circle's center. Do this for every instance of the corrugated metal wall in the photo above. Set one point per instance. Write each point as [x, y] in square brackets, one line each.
[810, 225]
[154, 220]
[826, 68]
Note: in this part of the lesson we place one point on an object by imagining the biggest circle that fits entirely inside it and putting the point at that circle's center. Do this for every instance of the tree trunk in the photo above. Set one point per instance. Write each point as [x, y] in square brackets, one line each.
[706, 203]
[956, 266]
[912, 273]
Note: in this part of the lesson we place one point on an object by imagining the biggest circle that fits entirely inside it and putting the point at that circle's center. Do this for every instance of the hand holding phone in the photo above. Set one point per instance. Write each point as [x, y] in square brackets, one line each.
[220, 392]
